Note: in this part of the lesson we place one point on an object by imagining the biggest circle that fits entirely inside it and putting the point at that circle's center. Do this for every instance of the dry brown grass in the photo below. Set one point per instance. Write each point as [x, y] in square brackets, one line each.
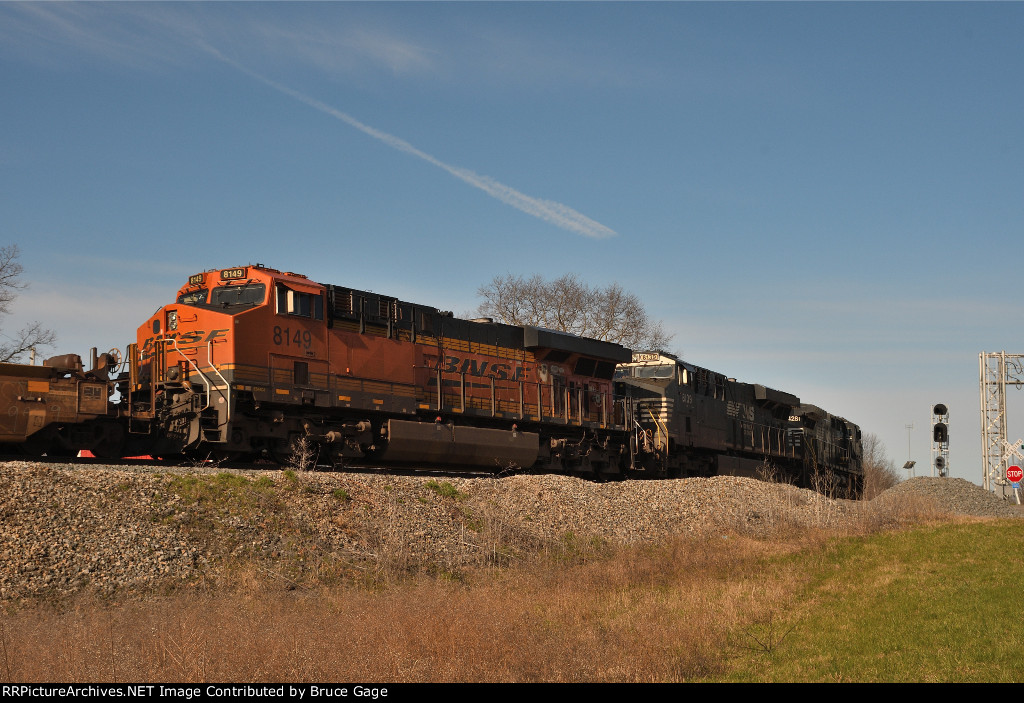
[578, 611]
[638, 614]
[890, 513]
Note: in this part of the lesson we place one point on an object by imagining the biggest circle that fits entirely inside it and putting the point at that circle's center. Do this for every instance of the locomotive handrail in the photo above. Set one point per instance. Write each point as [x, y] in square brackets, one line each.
[199, 371]
[551, 402]
[767, 432]
[227, 386]
[658, 425]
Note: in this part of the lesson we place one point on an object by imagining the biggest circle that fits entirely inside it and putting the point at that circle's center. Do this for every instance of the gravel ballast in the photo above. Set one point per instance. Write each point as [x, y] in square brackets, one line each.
[66, 529]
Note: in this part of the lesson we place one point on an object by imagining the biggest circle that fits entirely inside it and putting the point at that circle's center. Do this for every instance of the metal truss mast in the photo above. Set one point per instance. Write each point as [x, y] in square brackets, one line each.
[996, 369]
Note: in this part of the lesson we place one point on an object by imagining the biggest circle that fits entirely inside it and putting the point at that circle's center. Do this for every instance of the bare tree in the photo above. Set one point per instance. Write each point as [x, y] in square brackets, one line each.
[879, 471]
[14, 345]
[570, 305]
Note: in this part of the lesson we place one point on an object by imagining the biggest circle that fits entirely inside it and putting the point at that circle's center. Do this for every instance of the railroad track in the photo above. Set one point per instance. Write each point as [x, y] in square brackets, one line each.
[209, 465]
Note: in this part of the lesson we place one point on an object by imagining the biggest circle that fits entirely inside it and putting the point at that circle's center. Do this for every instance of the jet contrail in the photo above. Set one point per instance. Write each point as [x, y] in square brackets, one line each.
[556, 213]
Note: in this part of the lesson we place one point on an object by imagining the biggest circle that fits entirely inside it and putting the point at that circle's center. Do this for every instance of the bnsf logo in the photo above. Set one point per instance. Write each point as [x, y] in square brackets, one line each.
[192, 338]
[472, 367]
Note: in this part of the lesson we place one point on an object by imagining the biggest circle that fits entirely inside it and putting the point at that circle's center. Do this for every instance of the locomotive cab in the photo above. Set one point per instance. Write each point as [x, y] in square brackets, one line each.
[182, 368]
[830, 448]
[657, 396]
[688, 420]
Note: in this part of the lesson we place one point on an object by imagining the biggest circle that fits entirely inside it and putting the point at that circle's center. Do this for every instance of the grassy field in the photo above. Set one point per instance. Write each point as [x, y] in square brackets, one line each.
[932, 603]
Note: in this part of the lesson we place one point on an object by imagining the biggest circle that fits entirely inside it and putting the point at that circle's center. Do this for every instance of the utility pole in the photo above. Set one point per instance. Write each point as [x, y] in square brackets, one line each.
[909, 466]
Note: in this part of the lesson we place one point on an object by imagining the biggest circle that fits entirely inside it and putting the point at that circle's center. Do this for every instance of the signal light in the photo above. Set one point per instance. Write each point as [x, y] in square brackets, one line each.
[940, 433]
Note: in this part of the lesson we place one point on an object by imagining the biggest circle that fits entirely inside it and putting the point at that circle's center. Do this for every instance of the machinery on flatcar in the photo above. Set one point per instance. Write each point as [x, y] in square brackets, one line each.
[59, 408]
[252, 360]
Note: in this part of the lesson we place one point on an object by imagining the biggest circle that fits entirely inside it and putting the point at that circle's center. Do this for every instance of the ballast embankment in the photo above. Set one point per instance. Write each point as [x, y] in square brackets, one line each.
[67, 529]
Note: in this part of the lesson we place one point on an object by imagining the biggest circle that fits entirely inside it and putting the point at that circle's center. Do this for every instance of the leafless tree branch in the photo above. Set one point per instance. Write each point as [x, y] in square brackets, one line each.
[879, 470]
[34, 336]
[570, 305]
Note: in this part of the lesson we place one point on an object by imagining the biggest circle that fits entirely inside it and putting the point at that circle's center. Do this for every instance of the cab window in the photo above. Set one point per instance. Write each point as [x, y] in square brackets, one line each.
[194, 297]
[248, 294]
[661, 371]
[293, 302]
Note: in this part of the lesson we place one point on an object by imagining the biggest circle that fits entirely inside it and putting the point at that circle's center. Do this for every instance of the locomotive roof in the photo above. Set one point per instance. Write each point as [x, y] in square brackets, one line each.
[539, 337]
[531, 337]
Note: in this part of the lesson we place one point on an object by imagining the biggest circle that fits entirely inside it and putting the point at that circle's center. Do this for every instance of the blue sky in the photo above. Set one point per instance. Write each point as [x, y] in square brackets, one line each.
[825, 198]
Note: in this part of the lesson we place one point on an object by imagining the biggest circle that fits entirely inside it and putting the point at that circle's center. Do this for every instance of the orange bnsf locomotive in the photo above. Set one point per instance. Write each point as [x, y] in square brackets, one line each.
[250, 361]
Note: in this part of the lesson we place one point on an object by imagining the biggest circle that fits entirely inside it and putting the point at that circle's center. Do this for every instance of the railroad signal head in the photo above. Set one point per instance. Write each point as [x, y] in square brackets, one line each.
[940, 433]
[940, 409]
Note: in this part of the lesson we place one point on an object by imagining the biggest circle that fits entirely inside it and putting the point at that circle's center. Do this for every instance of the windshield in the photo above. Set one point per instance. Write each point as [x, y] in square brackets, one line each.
[195, 297]
[250, 294]
[664, 371]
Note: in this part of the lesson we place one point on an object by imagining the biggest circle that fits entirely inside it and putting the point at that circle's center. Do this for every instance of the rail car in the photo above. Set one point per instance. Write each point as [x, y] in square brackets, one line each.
[254, 361]
[59, 408]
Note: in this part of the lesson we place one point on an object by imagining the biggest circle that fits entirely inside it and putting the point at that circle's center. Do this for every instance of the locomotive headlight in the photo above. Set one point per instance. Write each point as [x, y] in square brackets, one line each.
[172, 320]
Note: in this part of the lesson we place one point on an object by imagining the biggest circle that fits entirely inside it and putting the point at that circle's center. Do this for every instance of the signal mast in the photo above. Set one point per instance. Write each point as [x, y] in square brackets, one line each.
[940, 440]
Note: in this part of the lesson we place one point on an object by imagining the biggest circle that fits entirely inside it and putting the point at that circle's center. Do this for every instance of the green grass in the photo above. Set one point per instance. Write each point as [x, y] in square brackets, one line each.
[445, 490]
[223, 494]
[931, 604]
[223, 488]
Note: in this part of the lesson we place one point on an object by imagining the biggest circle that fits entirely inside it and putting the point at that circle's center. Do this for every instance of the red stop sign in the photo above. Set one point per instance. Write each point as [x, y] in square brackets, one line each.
[1014, 474]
